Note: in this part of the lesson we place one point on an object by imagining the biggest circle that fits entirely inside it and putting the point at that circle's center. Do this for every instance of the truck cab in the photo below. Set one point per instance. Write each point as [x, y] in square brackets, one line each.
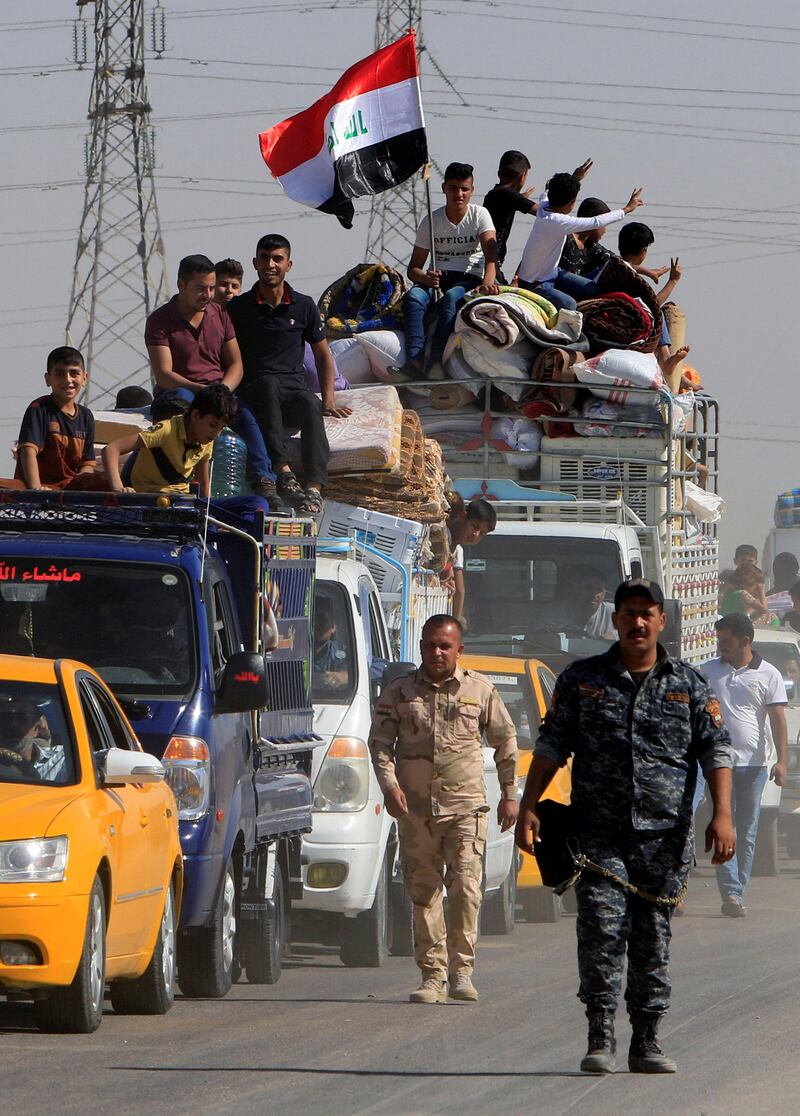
[165, 603]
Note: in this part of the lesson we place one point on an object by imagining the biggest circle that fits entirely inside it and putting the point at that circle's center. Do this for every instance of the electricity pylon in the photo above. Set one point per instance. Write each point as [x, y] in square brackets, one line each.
[120, 266]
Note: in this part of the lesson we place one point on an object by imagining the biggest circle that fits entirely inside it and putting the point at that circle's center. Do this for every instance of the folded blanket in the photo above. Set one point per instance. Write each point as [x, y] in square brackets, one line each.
[556, 367]
[617, 321]
[513, 363]
[618, 276]
[369, 296]
[516, 313]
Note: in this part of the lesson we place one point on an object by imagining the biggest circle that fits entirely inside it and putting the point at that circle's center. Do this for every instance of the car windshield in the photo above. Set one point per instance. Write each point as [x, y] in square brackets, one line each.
[131, 623]
[527, 590]
[35, 746]
[517, 695]
[334, 673]
[786, 658]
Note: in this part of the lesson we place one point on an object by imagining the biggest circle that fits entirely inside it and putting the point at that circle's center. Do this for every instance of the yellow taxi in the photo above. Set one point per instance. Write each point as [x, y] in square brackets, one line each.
[90, 860]
[526, 687]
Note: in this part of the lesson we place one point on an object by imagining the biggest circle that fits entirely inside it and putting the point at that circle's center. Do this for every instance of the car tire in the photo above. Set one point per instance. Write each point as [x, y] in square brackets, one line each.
[500, 908]
[153, 993]
[365, 938]
[206, 956]
[540, 904]
[765, 858]
[266, 937]
[78, 1007]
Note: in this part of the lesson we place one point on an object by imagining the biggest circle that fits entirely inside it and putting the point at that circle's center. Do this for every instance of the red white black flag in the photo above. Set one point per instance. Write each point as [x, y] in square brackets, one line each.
[365, 136]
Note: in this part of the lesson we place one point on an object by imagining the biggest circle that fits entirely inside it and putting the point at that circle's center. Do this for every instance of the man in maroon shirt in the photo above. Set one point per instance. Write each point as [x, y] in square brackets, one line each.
[191, 343]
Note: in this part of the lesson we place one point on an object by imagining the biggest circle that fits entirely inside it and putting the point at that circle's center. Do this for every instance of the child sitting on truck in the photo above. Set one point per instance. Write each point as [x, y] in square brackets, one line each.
[174, 452]
[465, 248]
[56, 439]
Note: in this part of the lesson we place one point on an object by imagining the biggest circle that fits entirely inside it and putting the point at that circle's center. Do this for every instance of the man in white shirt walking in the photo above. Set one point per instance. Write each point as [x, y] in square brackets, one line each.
[465, 247]
[539, 270]
[751, 692]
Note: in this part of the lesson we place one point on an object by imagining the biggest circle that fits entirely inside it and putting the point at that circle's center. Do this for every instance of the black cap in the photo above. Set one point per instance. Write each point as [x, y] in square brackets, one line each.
[638, 587]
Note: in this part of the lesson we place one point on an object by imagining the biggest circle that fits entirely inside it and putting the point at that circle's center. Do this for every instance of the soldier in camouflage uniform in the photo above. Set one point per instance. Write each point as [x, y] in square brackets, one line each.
[636, 723]
[426, 744]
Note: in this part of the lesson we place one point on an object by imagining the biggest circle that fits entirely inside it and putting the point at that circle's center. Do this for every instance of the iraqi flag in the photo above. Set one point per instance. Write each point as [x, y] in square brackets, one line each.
[365, 136]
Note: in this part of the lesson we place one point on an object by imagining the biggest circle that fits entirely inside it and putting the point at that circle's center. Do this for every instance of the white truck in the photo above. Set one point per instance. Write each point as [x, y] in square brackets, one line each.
[370, 606]
[589, 510]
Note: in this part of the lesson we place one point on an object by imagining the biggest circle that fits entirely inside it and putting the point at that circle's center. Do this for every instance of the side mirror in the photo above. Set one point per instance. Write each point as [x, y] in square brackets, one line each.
[243, 688]
[791, 689]
[377, 670]
[121, 768]
[671, 636]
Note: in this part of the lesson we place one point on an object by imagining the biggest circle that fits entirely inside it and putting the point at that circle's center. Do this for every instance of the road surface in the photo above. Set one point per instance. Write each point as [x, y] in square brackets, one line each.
[334, 1041]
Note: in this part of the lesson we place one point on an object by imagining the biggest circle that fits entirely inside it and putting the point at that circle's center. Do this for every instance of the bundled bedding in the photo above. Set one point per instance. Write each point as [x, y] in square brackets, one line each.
[368, 441]
[368, 296]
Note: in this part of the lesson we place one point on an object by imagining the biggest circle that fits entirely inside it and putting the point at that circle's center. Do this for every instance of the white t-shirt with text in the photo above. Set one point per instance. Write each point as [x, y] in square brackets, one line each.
[458, 247]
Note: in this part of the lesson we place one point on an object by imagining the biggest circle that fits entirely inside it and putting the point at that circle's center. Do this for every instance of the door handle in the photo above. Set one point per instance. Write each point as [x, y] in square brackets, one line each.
[144, 820]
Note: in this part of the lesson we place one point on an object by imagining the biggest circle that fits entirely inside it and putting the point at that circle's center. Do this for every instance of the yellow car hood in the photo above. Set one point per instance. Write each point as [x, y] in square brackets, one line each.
[29, 811]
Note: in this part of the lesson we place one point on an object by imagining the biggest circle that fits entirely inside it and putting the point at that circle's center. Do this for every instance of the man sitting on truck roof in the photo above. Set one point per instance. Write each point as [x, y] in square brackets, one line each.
[273, 322]
[462, 238]
[191, 343]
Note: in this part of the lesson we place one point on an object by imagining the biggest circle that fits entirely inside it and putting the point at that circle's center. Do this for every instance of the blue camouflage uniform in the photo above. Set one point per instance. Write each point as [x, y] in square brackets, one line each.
[635, 752]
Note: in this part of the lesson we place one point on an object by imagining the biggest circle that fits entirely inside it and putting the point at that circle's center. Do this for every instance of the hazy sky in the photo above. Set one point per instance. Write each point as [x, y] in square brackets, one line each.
[698, 104]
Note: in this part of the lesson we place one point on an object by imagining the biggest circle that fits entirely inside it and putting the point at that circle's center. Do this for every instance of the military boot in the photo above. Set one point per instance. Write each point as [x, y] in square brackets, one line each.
[645, 1055]
[461, 986]
[433, 990]
[601, 1055]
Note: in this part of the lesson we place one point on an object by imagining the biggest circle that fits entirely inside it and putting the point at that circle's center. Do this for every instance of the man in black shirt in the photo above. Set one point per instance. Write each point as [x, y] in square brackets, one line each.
[273, 322]
[508, 198]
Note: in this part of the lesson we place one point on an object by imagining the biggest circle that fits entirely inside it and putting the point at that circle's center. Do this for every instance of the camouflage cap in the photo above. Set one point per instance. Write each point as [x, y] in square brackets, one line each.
[638, 587]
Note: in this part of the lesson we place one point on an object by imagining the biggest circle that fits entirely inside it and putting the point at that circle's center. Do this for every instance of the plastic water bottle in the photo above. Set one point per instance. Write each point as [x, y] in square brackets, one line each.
[229, 473]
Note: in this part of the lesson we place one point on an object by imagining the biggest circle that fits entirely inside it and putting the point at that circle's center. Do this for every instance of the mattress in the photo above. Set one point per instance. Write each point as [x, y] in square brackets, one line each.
[369, 440]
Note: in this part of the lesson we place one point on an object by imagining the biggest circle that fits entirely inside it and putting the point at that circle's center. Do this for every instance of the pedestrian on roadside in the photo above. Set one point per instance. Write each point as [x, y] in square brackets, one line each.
[636, 723]
[751, 692]
[426, 743]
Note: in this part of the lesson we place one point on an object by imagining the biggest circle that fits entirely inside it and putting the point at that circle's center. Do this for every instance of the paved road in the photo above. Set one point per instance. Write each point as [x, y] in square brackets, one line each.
[334, 1041]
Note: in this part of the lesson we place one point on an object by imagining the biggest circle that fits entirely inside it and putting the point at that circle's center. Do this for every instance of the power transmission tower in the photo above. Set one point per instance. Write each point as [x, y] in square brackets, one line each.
[395, 214]
[120, 266]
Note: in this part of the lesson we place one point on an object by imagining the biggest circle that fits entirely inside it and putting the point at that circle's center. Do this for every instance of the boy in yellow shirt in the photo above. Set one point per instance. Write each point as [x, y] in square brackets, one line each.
[171, 454]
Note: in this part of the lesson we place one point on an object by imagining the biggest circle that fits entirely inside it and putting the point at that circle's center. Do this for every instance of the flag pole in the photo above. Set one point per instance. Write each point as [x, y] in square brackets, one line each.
[426, 175]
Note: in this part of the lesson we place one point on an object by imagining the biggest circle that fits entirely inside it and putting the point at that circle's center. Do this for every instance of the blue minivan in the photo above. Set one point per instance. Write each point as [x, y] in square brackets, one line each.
[169, 604]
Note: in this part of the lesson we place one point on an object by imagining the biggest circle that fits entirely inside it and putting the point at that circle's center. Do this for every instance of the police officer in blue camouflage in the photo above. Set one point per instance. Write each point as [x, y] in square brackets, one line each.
[636, 723]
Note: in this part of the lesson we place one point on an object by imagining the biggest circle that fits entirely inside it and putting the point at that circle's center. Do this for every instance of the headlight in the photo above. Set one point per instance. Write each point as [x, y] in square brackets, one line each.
[343, 780]
[188, 767]
[38, 860]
